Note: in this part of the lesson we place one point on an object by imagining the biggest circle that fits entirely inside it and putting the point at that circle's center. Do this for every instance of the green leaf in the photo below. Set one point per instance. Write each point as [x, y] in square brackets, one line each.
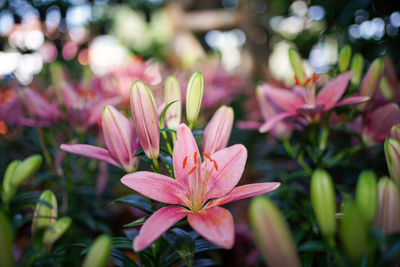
[137, 222]
[204, 245]
[313, 246]
[167, 130]
[182, 243]
[162, 116]
[136, 201]
[121, 260]
[205, 262]
[122, 243]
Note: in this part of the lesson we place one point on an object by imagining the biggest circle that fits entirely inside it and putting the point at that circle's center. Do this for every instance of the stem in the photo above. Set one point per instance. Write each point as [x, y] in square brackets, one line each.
[304, 165]
[191, 125]
[45, 151]
[173, 135]
[156, 165]
[164, 134]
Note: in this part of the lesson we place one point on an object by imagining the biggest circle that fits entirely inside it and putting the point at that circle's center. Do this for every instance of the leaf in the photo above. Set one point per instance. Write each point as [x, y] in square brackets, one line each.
[204, 245]
[137, 222]
[122, 243]
[167, 130]
[162, 116]
[313, 246]
[121, 260]
[136, 201]
[182, 243]
[205, 262]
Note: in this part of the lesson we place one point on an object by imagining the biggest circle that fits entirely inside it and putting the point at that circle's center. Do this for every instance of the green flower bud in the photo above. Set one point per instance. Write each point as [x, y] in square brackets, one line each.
[344, 58]
[388, 206]
[353, 232]
[45, 211]
[357, 66]
[395, 131]
[367, 196]
[297, 65]
[8, 190]
[98, 253]
[194, 96]
[6, 239]
[52, 234]
[386, 89]
[26, 169]
[392, 154]
[324, 203]
[272, 234]
[172, 92]
[371, 80]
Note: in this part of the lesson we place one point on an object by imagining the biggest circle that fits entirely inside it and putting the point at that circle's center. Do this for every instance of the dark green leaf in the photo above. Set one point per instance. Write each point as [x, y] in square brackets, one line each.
[137, 222]
[313, 246]
[122, 243]
[121, 260]
[182, 243]
[162, 116]
[136, 201]
[204, 245]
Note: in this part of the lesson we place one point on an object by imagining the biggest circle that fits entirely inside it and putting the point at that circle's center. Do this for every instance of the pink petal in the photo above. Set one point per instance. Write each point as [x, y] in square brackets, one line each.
[157, 224]
[183, 156]
[214, 224]
[156, 186]
[226, 174]
[352, 100]
[333, 90]
[245, 191]
[96, 107]
[284, 98]
[89, 151]
[248, 125]
[268, 125]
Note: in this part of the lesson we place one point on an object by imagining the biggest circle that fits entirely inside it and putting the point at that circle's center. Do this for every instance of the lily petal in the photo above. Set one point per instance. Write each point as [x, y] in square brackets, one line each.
[273, 121]
[156, 186]
[89, 151]
[183, 155]
[157, 224]
[333, 90]
[214, 224]
[225, 172]
[245, 191]
[284, 98]
[353, 100]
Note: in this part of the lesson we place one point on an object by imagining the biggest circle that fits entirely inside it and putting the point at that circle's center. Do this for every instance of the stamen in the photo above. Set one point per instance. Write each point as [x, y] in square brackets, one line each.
[207, 156]
[215, 164]
[297, 80]
[195, 157]
[192, 170]
[184, 162]
[100, 125]
[315, 77]
[306, 81]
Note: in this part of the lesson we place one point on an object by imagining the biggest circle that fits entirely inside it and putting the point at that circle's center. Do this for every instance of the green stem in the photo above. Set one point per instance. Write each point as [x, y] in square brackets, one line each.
[173, 135]
[164, 134]
[156, 165]
[45, 151]
[304, 165]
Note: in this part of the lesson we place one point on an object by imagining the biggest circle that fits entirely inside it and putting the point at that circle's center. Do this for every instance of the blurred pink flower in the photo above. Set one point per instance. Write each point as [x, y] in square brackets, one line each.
[197, 192]
[305, 104]
[11, 110]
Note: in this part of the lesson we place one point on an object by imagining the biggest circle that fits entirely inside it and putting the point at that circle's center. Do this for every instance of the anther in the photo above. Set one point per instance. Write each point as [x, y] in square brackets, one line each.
[184, 162]
[215, 164]
[100, 125]
[192, 170]
[195, 157]
[207, 156]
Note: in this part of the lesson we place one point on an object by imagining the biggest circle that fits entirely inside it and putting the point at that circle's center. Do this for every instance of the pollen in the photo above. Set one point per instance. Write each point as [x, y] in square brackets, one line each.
[195, 157]
[297, 80]
[207, 156]
[192, 170]
[184, 162]
[215, 164]
[100, 125]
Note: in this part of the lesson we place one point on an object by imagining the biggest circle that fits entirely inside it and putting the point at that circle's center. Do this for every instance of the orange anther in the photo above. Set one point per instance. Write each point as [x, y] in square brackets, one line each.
[297, 80]
[215, 164]
[315, 77]
[100, 125]
[3, 127]
[192, 170]
[195, 157]
[306, 81]
[184, 162]
[207, 156]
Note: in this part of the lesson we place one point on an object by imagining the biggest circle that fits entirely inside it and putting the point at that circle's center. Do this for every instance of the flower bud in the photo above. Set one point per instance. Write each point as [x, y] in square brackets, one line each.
[371, 79]
[392, 154]
[99, 252]
[297, 65]
[8, 190]
[172, 92]
[6, 242]
[357, 66]
[194, 96]
[26, 169]
[52, 234]
[353, 232]
[344, 58]
[218, 130]
[272, 234]
[120, 138]
[395, 131]
[388, 206]
[367, 196]
[145, 119]
[45, 211]
[323, 203]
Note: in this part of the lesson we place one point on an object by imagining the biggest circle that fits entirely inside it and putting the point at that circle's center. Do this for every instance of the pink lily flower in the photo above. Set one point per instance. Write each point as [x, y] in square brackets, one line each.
[39, 109]
[145, 119]
[84, 106]
[198, 191]
[11, 110]
[218, 130]
[304, 104]
[120, 139]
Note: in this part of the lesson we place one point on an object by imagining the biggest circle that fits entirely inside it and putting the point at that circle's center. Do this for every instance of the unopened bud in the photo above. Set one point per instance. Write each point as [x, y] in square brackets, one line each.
[357, 66]
[99, 252]
[366, 196]
[344, 58]
[45, 211]
[194, 97]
